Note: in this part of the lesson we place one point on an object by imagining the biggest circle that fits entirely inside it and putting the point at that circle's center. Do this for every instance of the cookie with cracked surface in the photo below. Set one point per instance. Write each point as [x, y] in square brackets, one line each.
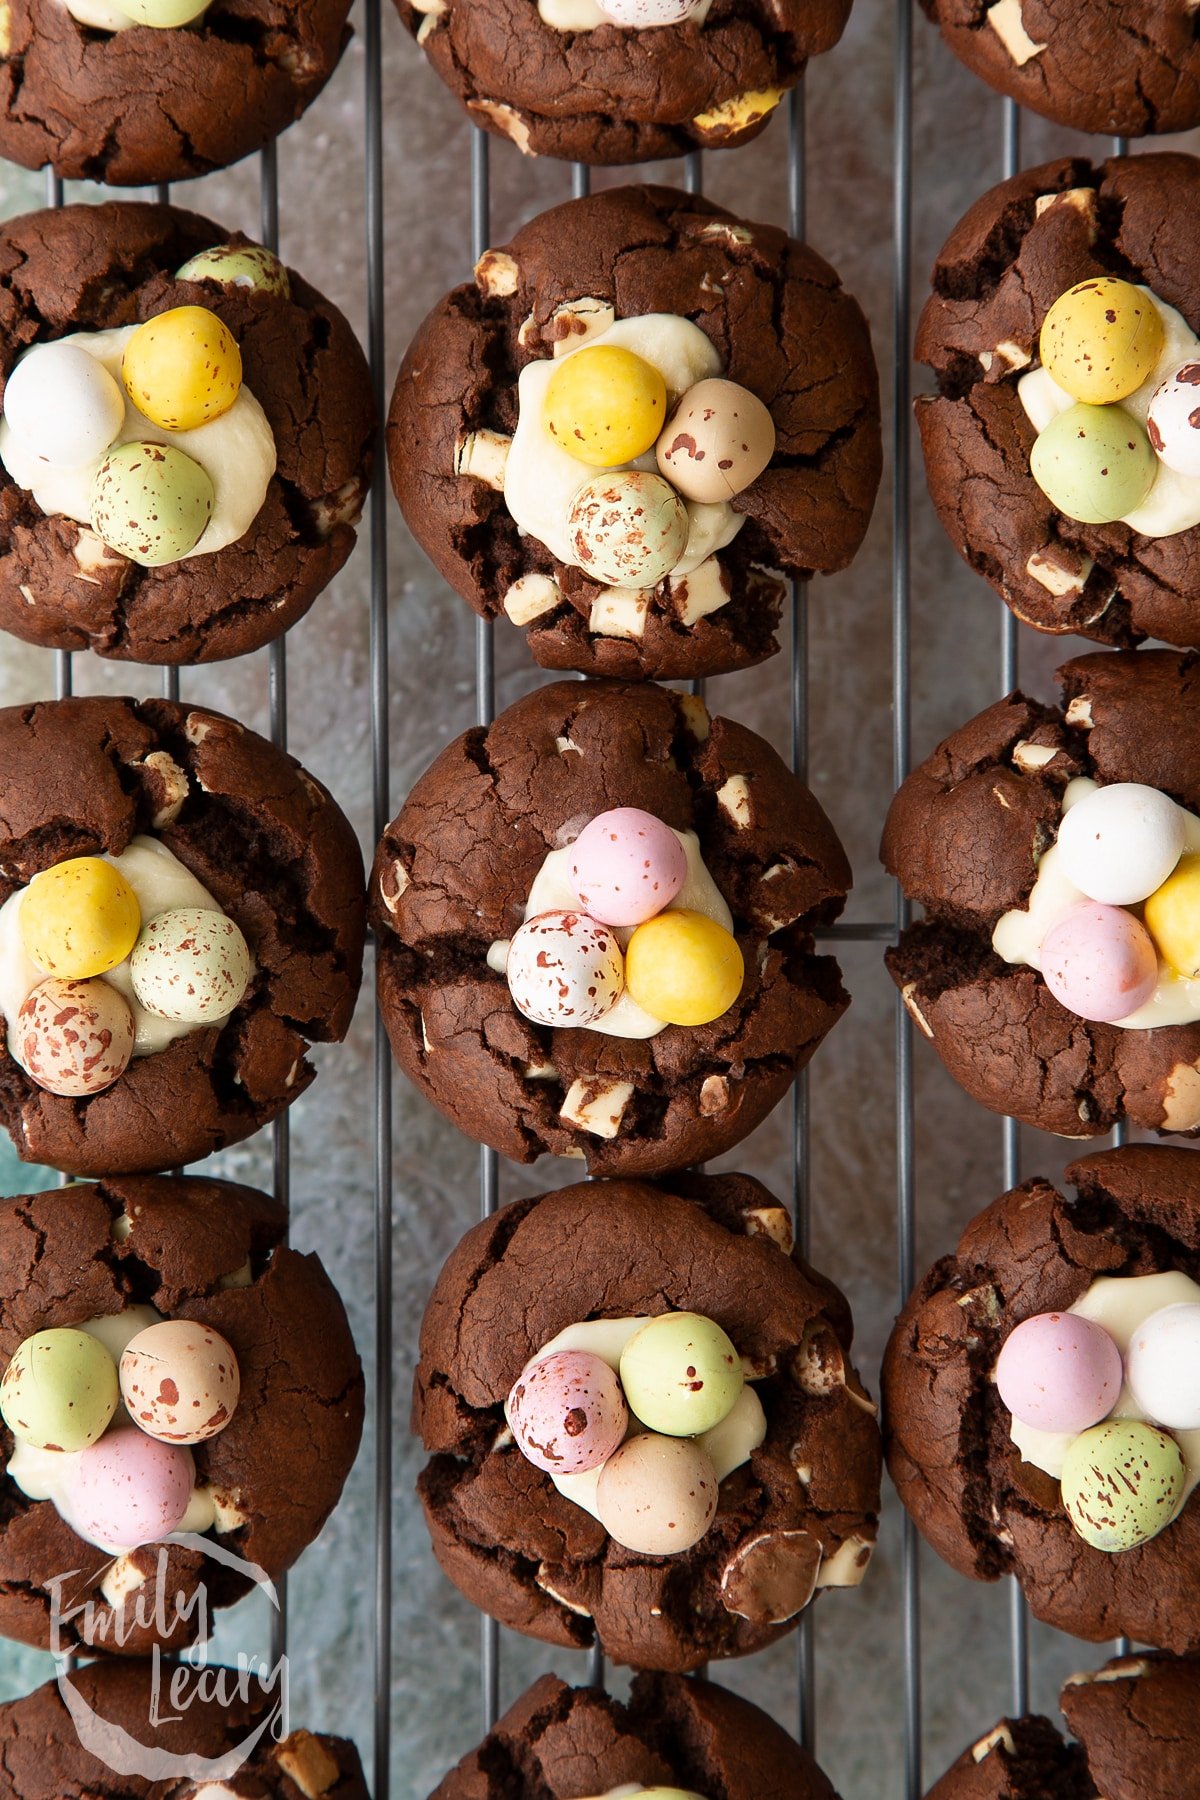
[88, 269]
[101, 98]
[1137, 1722]
[45, 1758]
[1125, 67]
[205, 805]
[682, 1734]
[950, 1438]
[562, 78]
[1018, 249]
[965, 836]
[798, 1516]
[456, 869]
[215, 1253]
[480, 480]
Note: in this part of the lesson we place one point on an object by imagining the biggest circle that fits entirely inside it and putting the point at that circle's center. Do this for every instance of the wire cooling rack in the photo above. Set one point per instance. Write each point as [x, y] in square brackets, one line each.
[792, 667]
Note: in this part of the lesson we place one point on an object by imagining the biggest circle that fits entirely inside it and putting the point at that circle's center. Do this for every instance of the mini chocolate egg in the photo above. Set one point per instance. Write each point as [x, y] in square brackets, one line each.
[628, 529]
[1120, 842]
[79, 918]
[1094, 464]
[163, 15]
[657, 1495]
[681, 1374]
[564, 969]
[62, 405]
[191, 964]
[566, 1412]
[1122, 1483]
[1059, 1372]
[1173, 422]
[1163, 1366]
[151, 502]
[605, 405]
[1099, 962]
[238, 265]
[625, 866]
[128, 1489]
[73, 1037]
[180, 1381]
[645, 15]
[182, 368]
[1172, 915]
[1101, 339]
[717, 441]
[59, 1390]
[683, 967]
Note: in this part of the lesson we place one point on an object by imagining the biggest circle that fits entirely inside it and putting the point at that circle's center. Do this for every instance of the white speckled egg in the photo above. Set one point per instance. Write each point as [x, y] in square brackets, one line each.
[180, 1381]
[1173, 422]
[63, 406]
[564, 969]
[657, 1495]
[718, 440]
[151, 502]
[74, 1037]
[642, 15]
[1120, 842]
[191, 965]
[628, 529]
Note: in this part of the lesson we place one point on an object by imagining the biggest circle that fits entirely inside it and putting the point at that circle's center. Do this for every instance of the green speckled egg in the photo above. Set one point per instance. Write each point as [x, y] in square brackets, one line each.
[1122, 1483]
[164, 15]
[238, 265]
[151, 502]
[60, 1390]
[681, 1374]
[1094, 463]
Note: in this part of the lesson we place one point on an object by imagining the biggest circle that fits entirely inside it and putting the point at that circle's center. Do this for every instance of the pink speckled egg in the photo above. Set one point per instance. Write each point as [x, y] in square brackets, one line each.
[625, 866]
[1100, 962]
[73, 1037]
[180, 1381]
[1059, 1372]
[1173, 423]
[128, 1489]
[567, 1412]
[564, 969]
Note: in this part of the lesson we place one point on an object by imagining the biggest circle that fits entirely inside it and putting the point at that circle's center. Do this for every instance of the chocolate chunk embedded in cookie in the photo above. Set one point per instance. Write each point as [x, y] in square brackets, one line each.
[489, 451]
[795, 1463]
[483, 843]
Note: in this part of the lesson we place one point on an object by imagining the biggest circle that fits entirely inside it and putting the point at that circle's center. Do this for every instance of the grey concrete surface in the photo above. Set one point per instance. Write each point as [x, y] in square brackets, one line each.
[955, 670]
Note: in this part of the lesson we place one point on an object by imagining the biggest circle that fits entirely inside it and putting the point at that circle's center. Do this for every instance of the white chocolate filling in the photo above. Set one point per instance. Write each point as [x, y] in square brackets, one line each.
[1173, 503]
[161, 884]
[1120, 1304]
[1019, 934]
[551, 892]
[585, 15]
[236, 451]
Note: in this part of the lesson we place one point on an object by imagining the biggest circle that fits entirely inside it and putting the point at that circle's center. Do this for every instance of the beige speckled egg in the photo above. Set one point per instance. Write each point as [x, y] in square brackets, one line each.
[191, 965]
[73, 1037]
[718, 440]
[628, 529]
[657, 1495]
[151, 502]
[180, 1381]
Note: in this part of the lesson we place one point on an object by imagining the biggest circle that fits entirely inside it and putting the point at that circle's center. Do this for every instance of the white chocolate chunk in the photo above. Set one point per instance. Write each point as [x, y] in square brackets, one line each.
[542, 1580]
[122, 1578]
[733, 797]
[620, 612]
[908, 994]
[999, 1735]
[483, 455]
[704, 591]
[576, 321]
[505, 119]
[308, 1763]
[848, 1564]
[530, 596]
[773, 1222]
[599, 1112]
[92, 553]
[695, 716]
[714, 1094]
[1079, 712]
[1058, 580]
[496, 272]
[1006, 20]
[1181, 1107]
[1129, 1668]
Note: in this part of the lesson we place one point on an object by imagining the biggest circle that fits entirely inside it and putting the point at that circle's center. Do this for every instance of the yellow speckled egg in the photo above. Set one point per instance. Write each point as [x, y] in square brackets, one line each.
[1101, 339]
[182, 368]
[683, 967]
[1173, 917]
[605, 405]
[80, 918]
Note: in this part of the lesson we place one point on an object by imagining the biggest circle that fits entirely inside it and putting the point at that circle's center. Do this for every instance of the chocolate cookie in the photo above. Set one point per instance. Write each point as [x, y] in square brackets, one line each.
[104, 268]
[1015, 253]
[964, 837]
[263, 1485]
[1138, 1724]
[799, 1515]
[101, 102]
[683, 1734]
[456, 869]
[44, 1758]
[950, 1443]
[560, 78]
[270, 850]
[1119, 66]
[743, 302]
